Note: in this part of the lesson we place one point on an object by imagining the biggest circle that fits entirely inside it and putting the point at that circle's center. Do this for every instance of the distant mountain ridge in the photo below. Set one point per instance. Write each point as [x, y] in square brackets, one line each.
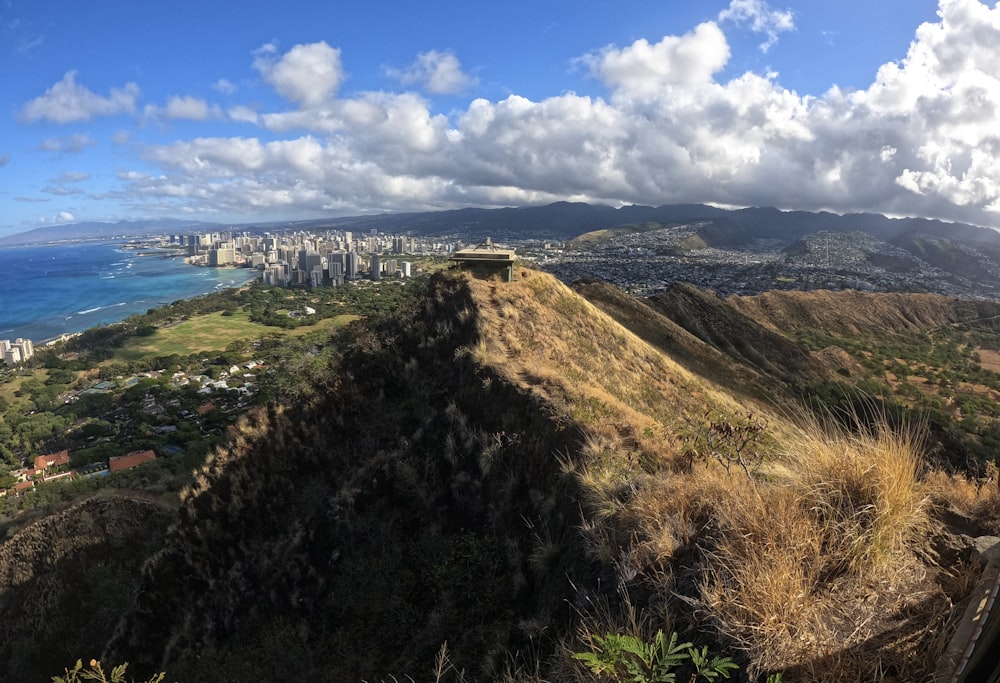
[99, 230]
[561, 220]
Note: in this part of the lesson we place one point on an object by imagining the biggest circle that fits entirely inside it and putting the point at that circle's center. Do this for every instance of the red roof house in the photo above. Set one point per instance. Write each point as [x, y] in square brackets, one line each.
[127, 462]
[43, 462]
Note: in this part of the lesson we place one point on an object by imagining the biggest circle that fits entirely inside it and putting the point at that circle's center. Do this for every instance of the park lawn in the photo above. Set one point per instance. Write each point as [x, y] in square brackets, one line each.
[324, 324]
[211, 332]
[10, 388]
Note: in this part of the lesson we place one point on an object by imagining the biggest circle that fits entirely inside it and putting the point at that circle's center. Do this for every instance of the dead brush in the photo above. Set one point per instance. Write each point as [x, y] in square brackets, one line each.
[759, 581]
[805, 568]
[977, 500]
[865, 488]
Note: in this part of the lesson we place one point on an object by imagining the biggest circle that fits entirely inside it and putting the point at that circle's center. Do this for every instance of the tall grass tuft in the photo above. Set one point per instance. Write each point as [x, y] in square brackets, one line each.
[864, 487]
[799, 566]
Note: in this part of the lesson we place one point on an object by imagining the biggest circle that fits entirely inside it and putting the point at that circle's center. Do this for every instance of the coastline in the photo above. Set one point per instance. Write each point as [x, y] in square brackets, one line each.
[58, 291]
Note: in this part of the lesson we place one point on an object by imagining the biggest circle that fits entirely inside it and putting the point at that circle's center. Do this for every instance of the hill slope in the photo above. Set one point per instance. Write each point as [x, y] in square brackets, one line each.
[507, 468]
[857, 314]
[67, 579]
[516, 470]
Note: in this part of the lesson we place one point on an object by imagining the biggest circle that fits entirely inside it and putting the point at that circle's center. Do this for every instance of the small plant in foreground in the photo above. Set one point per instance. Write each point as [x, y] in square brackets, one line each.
[730, 442]
[627, 658]
[96, 673]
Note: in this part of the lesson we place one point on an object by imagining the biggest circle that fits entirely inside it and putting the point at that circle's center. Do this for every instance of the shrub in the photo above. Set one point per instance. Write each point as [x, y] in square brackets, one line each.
[623, 657]
[96, 673]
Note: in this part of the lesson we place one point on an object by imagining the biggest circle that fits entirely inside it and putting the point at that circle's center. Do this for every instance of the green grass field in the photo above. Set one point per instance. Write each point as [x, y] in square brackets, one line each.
[212, 332]
[8, 390]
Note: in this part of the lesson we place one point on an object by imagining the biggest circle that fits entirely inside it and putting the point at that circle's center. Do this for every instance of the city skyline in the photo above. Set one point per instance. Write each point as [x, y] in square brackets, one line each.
[314, 111]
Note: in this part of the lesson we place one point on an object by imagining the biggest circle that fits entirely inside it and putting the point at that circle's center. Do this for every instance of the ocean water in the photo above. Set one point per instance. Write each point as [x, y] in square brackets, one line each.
[52, 290]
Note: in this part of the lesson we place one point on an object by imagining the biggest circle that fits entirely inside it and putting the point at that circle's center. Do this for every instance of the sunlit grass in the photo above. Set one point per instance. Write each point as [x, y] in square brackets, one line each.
[211, 332]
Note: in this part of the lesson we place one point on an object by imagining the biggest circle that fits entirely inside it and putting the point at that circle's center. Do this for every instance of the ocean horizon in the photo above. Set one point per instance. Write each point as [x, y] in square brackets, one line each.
[52, 290]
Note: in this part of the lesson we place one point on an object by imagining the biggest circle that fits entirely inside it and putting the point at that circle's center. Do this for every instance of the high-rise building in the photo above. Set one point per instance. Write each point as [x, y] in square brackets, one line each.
[276, 274]
[376, 267]
[404, 268]
[353, 265]
[26, 347]
[221, 257]
[336, 274]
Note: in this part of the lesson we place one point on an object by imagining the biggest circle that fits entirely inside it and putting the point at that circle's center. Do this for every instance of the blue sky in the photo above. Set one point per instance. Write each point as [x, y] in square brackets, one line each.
[310, 109]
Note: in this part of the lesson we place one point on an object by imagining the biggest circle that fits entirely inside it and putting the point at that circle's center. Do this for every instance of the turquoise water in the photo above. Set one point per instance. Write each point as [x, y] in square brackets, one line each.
[52, 290]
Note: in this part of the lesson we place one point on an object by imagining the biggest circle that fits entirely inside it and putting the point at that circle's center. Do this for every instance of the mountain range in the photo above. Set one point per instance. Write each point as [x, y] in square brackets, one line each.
[561, 220]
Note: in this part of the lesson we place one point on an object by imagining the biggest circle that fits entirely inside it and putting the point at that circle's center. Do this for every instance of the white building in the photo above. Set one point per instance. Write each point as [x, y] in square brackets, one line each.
[16, 351]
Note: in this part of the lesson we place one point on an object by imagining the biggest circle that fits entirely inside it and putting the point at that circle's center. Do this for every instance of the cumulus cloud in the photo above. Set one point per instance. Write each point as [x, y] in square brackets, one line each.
[181, 107]
[922, 139]
[62, 185]
[308, 74]
[760, 18]
[645, 68]
[71, 144]
[61, 217]
[67, 101]
[438, 73]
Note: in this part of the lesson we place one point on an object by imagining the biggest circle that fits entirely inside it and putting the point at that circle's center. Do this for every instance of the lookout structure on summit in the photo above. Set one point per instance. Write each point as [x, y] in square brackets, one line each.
[486, 260]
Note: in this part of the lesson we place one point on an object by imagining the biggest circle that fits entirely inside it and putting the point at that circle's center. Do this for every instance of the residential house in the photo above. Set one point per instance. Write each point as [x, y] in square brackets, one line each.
[52, 460]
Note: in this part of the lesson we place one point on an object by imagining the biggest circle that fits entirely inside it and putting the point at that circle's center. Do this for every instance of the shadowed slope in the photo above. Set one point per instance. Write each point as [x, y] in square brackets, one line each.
[494, 467]
[65, 581]
[735, 333]
[857, 314]
[419, 501]
[668, 336]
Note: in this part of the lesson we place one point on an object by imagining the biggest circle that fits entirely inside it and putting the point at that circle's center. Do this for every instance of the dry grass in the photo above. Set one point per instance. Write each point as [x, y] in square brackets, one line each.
[975, 500]
[546, 338]
[864, 487]
[821, 571]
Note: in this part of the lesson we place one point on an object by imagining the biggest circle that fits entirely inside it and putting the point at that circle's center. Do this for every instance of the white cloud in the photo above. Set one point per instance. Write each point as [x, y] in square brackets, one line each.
[243, 114]
[225, 87]
[191, 108]
[61, 217]
[67, 102]
[71, 144]
[307, 74]
[921, 140]
[646, 69]
[438, 73]
[760, 18]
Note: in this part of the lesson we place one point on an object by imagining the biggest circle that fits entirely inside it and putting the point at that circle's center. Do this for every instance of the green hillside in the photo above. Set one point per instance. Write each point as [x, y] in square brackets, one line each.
[497, 476]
